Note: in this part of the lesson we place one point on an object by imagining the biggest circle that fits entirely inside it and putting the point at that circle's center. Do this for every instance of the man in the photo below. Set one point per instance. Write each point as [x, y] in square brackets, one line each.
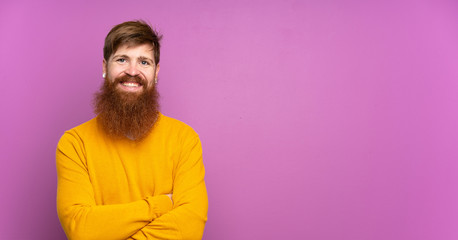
[131, 172]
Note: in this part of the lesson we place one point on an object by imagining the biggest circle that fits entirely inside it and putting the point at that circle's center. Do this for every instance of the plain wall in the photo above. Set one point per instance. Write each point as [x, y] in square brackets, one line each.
[319, 120]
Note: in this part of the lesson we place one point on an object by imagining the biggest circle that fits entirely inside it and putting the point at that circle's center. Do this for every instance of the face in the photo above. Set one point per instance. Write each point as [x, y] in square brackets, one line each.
[132, 61]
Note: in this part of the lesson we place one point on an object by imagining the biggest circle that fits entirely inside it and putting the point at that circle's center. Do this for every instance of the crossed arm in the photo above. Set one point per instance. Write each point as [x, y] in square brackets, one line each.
[152, 218]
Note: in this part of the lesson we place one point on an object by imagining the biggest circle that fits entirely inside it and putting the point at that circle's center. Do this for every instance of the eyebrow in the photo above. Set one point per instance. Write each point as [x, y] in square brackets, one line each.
[146, 58]
[122, 56]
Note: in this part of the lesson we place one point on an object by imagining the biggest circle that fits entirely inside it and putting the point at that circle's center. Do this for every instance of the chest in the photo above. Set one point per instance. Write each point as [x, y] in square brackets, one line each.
[122, 173]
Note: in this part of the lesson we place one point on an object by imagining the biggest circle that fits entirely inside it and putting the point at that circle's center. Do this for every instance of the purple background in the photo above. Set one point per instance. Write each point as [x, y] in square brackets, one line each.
[319, 119]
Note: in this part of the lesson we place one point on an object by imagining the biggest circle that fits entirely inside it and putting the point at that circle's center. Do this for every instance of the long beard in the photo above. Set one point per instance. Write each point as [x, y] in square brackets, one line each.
[124, 114]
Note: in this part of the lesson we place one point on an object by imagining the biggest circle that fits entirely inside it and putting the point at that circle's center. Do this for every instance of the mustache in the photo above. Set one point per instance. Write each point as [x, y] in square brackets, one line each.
[128, 78]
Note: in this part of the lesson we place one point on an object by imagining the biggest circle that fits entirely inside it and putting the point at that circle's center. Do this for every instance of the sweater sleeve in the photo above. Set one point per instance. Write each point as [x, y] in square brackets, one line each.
[80, 216]
[189, 215]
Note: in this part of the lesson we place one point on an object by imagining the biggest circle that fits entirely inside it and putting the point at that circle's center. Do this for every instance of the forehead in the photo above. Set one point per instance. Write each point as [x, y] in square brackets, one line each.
[142, 50]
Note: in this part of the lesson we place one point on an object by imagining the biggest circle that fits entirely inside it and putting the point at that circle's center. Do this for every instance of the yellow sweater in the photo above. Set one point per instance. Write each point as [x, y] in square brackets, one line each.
[114, 189]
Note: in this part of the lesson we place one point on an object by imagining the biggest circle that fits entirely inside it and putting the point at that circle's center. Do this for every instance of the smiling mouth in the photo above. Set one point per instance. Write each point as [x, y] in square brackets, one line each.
[131, 84]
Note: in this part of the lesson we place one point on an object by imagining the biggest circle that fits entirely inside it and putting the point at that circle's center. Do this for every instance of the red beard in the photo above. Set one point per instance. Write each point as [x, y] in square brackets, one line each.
[125, 114]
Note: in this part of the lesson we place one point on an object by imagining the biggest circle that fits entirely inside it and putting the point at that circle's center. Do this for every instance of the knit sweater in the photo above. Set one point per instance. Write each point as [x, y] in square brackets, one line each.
[115, 188]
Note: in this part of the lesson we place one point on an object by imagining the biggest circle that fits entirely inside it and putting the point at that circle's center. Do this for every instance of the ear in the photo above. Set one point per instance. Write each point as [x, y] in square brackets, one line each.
[104, 66]
[158, 67]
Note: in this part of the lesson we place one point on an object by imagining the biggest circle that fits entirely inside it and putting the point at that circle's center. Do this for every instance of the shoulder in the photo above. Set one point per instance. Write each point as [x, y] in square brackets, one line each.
[83, 131]
[173, 125]
[175, 131]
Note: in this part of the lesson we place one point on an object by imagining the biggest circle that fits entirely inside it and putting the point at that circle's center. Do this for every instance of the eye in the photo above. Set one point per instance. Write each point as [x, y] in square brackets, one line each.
[121, 60]
[144, 62]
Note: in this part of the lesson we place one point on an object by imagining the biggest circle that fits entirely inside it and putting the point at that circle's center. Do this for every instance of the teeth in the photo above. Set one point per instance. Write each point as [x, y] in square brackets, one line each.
[130, 84]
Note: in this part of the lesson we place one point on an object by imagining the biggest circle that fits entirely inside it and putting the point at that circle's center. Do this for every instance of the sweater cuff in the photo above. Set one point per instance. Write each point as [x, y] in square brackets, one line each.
[159, 205]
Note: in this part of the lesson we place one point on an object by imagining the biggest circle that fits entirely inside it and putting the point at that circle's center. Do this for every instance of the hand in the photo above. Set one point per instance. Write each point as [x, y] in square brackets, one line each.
[170, 196]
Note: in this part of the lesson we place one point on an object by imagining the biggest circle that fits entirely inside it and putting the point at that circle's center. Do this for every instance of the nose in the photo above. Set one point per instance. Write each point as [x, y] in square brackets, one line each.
[132, 70]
